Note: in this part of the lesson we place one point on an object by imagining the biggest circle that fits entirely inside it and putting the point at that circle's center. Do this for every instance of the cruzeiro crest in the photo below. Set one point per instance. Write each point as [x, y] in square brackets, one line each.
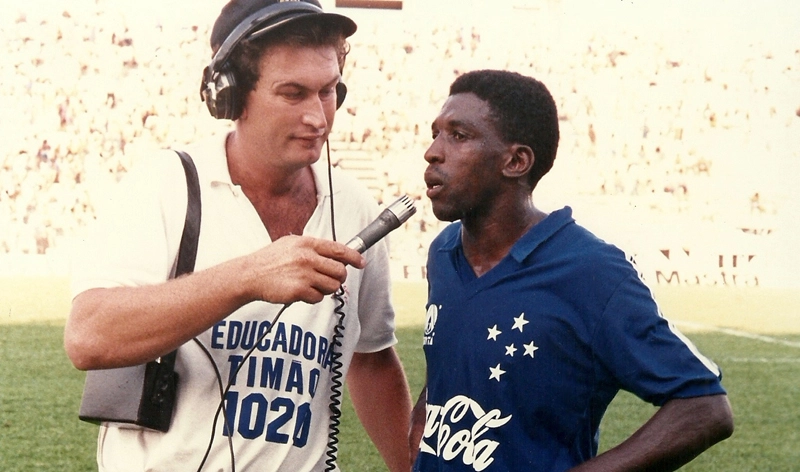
[430, 324]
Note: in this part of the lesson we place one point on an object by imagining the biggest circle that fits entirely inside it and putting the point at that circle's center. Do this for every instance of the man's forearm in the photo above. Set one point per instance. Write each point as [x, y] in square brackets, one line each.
[680, 431]
[115, 327]
[417, 429]
[380, 395]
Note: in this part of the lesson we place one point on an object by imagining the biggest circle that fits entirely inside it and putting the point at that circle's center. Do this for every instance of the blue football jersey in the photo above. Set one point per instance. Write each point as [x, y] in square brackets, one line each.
[523, 361]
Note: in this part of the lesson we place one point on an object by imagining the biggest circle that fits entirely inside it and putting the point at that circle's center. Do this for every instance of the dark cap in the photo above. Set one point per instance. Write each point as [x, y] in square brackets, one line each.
[256, 17]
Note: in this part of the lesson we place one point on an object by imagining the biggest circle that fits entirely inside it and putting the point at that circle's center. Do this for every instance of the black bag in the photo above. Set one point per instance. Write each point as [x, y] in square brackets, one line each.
[145, 394]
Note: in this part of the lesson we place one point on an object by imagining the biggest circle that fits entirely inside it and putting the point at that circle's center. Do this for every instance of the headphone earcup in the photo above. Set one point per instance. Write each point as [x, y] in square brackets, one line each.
[341, 93]
[219, 92]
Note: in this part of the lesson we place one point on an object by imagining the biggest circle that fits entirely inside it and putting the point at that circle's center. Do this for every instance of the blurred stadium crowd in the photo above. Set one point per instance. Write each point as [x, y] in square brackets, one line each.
[690, 121]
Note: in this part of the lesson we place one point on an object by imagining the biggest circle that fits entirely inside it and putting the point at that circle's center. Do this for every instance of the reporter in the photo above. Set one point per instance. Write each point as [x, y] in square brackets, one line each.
[264, 242]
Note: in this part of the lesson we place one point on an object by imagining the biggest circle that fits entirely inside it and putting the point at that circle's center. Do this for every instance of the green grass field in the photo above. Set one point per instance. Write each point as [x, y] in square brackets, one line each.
[40, 391]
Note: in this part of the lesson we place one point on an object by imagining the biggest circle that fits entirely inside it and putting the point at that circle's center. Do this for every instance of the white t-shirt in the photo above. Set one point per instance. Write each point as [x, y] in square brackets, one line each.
[278, 405]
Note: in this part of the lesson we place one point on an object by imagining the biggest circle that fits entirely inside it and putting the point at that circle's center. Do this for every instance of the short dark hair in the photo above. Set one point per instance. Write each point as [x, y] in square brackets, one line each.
[523, 110]
[245, 59]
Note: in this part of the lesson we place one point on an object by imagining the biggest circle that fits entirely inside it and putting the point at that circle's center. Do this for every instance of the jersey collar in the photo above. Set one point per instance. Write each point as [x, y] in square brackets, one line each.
[540, 233]
[528, 243]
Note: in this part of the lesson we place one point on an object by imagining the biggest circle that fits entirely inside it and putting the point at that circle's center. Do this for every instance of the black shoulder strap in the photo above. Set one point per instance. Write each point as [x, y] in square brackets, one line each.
[191, 232]
[191, 228]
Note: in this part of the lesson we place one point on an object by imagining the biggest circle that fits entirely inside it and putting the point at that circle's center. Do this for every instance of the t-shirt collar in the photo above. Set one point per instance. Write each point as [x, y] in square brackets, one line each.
[218, 172]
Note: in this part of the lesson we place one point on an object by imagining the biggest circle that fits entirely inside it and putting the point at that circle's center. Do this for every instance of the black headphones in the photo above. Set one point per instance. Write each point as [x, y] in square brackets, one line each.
[218, 88]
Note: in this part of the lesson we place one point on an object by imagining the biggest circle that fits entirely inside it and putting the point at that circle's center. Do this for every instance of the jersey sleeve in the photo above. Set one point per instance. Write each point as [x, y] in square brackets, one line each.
[646, 354]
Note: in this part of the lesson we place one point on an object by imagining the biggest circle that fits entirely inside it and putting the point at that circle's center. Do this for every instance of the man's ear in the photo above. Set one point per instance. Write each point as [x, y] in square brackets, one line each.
[519, 161]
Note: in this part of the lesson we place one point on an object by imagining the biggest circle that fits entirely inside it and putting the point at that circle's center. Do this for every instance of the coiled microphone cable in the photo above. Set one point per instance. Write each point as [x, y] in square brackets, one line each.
[336, 382]
[336, 342]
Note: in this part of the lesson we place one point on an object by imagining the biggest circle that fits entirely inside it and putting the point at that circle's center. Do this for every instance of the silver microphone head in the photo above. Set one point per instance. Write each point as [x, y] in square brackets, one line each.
[403, 208]
[389, 219]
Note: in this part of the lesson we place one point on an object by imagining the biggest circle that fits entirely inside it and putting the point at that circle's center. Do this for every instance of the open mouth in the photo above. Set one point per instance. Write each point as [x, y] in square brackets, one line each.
[434, 186]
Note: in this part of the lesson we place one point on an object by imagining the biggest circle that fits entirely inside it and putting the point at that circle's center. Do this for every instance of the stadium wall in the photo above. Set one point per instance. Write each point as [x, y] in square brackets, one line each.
[713, 259]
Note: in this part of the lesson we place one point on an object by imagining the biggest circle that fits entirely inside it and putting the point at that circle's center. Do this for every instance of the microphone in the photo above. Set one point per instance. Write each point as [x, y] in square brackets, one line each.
[390, 219]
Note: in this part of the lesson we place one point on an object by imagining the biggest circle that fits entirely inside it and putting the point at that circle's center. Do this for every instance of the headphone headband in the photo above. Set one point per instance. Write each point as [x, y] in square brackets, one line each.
[219, 86]
[267, 18]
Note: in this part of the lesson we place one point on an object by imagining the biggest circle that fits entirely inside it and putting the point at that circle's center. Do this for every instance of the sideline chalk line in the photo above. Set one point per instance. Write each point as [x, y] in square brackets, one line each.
[737, 332]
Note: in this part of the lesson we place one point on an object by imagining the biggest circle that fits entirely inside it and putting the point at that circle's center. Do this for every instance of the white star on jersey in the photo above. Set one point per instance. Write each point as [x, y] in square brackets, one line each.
[529, 349]
[511, 349]
[519, 322]
[496, 372]
[493, 333]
